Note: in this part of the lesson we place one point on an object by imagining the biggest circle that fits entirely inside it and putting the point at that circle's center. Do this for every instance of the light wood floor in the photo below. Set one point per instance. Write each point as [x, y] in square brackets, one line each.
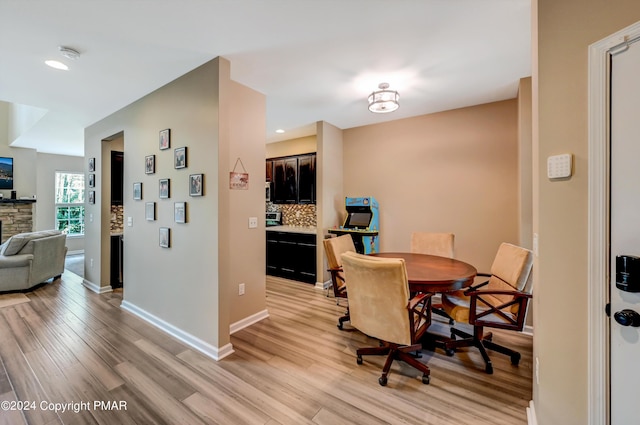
[296, 367]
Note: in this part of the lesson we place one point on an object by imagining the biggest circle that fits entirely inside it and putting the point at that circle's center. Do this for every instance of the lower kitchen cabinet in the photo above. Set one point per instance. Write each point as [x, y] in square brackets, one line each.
[292, 256]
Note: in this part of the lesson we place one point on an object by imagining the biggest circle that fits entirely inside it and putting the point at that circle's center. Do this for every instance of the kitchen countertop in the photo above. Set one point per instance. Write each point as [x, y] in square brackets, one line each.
[293, 229]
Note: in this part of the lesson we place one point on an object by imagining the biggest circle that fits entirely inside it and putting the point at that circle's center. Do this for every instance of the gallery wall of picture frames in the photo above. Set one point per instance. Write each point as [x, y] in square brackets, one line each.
[195, 184]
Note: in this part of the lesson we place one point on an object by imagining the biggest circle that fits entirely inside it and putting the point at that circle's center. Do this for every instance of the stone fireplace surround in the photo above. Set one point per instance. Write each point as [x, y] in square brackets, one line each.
[16, 216]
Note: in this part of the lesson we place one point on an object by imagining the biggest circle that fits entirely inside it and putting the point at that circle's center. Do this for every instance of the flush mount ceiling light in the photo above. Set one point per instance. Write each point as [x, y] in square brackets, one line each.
[68, 53]
[383, 100]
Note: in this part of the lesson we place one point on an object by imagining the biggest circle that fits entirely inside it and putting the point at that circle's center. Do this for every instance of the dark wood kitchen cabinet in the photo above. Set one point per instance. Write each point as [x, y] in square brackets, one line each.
[307, 179]
[269, 170]
[285, 180]
[291, 256]
[294, 179]
[117, 171]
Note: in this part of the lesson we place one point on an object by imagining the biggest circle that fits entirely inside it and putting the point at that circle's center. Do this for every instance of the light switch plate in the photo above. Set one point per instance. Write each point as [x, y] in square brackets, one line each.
[253, 222]
[559, 166]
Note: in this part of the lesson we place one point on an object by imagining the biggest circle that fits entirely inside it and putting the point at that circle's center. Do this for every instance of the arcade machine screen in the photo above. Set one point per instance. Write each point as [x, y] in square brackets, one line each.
[358, 219]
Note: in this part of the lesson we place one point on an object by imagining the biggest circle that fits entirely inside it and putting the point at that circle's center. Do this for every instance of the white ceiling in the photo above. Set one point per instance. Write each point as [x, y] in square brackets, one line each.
[313, 59]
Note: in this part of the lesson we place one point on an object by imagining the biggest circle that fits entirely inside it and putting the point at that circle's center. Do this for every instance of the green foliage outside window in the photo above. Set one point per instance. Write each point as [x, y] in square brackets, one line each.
[69, 199]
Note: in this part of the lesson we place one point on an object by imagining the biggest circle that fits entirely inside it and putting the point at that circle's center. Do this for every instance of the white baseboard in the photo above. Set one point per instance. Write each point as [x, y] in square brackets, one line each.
[248, 321]
[528, 330]
[531, 414]
[323, 285]
[204, 347]
[96, 288]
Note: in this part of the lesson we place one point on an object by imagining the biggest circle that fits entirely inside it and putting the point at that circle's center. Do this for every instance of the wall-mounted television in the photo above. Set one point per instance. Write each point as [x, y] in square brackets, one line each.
[6, 173]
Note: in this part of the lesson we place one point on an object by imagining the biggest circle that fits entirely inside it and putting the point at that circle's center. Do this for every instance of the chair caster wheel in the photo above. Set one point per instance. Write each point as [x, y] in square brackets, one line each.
[450, 352]
[359, 360]
[425, 379]
[489, 369]
[340, 326]
[382, 381]
[515, 359]
[451, 322]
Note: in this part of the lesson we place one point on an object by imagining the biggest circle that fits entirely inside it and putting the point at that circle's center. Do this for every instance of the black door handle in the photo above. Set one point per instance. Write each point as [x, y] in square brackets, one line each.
[627, 317]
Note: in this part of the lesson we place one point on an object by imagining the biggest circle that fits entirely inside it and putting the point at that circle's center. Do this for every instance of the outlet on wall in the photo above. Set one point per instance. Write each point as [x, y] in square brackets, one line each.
[241, 289]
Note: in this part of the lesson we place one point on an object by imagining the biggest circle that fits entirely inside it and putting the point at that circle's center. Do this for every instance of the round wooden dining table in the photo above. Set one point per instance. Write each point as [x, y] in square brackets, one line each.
[431, 273]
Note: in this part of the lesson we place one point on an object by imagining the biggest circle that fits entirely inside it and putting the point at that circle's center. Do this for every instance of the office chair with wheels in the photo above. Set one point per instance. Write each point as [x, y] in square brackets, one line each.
[440, 244]
[334, 248]
[380, 307]
[501, 303]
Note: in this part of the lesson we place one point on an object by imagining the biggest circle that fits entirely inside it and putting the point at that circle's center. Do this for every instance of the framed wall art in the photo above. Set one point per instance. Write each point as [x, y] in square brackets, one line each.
[92, 180]
[137, 191]
[196, 184]
[92, 164]
[165, 237]
[164, 188]
[92, 196]
[150, 164]
[165, 139]
[180, 212]
[150, 211]
[180, 158]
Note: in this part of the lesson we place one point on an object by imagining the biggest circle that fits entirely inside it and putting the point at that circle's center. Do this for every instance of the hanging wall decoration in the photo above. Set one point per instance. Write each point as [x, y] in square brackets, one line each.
[238, 181]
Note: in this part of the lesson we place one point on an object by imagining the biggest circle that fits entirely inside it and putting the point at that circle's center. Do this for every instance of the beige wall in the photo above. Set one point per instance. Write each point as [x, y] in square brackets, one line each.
[186, 289]
[45, 205]
[297, 146]
[455, 171]
[565, 29]
[329, 177]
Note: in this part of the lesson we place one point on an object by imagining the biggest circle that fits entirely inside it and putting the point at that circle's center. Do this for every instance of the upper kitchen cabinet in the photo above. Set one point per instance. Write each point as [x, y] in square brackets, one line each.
[294, 179]
[117, 170]
[285, 180]
[269, 171]
[307, 179]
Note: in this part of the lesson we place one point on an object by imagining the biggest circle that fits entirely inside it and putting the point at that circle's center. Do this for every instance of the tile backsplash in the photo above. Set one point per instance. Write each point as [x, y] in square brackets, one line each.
[296, 214]
[117, 218]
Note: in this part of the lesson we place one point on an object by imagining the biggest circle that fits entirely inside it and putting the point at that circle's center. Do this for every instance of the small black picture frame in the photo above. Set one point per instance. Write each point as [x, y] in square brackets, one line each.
[150, 211]
[164, 188]
[92, 180]
[92, 196]
[180, 212]
[92, 164]
[137, 191]
[164, 237]
[196, 184]
[165, 139]
[150, 164]
[180, 158]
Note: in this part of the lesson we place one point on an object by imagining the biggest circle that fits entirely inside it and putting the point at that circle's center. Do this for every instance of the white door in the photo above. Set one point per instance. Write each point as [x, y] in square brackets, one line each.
[625, 235]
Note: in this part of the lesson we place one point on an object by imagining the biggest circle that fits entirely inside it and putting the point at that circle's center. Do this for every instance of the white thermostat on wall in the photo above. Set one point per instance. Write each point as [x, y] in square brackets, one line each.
[559, 166]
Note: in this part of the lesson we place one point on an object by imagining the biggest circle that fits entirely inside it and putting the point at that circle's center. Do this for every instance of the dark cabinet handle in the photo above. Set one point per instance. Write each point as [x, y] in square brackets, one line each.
[627, 317]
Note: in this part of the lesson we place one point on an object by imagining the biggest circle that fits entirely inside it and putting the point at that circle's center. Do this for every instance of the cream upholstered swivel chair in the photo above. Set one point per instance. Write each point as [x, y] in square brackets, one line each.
[440, 244]
[334, 248]
[380, 307]
[501, 303]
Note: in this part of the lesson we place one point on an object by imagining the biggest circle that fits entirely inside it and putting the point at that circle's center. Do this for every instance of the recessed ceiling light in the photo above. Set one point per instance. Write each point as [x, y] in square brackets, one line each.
[279, 131]
[57, 65]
